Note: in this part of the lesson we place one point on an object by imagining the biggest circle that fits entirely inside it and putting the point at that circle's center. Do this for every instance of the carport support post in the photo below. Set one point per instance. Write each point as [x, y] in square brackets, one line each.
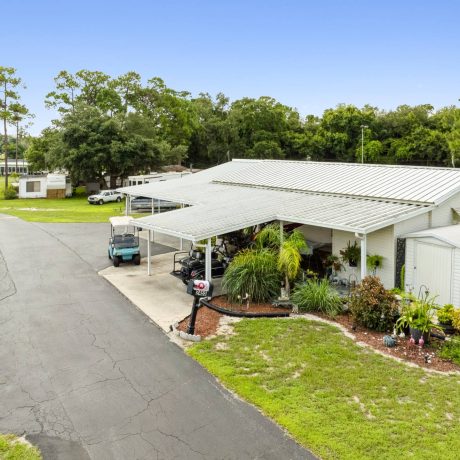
[363, 256]
[208, 261]
[281, 232]
[153, 207]
[126, 204]
[149, 262]
[181, 241]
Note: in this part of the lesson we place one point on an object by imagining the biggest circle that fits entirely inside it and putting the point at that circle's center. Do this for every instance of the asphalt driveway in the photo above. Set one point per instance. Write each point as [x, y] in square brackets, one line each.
[84, 374]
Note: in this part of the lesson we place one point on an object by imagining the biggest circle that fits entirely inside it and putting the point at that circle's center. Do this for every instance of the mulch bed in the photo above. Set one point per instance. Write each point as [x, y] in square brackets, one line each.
[221, 301]
[207, 320]
[403, 349]
[206, 324]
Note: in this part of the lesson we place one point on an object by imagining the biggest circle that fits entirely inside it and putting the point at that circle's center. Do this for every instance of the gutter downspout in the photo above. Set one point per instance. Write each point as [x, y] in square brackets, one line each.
[149, 258]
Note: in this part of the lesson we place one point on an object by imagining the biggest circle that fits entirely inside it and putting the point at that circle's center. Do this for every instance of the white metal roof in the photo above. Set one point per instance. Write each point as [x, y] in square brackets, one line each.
[400, 183]
[189, 189]
[449, 234]
[240, 207]
[241, 193]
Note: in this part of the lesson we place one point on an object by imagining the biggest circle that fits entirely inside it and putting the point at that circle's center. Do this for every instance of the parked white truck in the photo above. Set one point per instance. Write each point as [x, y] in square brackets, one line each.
[105, 196]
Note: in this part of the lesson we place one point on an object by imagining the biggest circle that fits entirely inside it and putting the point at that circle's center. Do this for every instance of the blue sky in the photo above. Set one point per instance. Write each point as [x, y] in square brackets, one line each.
[307, 54]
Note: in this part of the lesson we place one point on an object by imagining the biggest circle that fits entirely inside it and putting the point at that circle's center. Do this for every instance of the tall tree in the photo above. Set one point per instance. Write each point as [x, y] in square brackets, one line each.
[19, 113]
[92, 145]
[9, 83]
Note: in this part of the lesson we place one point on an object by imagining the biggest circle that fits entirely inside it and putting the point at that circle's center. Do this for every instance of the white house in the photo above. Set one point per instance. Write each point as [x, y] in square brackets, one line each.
[19, 167]
[377, 206]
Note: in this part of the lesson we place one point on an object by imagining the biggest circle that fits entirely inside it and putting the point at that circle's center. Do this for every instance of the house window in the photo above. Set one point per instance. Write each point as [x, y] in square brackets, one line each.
[33, 186]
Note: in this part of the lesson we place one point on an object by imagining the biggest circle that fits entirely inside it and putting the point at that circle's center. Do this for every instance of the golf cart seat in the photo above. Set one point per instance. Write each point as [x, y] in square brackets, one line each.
[127, 240]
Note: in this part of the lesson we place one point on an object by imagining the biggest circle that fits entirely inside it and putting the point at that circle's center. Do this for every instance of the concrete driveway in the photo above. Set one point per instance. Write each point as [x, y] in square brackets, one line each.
[86, 375]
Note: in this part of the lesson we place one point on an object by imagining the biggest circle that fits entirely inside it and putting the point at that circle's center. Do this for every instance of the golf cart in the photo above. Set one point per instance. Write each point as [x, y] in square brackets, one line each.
[193, 266]
[123, 242]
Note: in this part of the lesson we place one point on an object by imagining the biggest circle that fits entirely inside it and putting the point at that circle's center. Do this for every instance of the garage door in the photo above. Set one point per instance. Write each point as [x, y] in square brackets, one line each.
[433, 268]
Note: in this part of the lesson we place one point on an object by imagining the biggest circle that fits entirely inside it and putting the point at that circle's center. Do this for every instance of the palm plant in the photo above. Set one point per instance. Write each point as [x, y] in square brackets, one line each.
[288, 247]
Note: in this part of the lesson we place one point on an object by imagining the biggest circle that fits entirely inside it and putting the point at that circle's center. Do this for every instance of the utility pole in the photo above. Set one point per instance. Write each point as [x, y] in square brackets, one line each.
[362, 142]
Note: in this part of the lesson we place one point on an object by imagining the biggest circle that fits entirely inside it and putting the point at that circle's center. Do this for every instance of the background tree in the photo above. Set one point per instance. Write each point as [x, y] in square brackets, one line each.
[9, 83]
[19, 113]
[176, 127]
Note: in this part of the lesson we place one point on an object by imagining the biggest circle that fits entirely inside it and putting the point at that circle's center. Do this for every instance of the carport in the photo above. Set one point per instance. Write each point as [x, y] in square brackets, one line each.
[354, 203]
[229, 208]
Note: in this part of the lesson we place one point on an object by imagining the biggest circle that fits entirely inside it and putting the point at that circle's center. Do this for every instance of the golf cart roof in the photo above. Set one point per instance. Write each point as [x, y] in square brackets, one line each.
[120, 221]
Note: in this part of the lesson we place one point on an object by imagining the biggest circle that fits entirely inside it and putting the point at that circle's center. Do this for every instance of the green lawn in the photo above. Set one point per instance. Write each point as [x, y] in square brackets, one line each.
[11, 449]
[64, 210]
[339, 400]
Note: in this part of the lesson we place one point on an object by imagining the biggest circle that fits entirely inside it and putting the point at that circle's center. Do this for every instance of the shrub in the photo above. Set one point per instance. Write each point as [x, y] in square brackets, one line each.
[456, 320]
[445, 314]
[319, 296]
[253, 272]
[451, 351]
[372, 306]
[10, 193]
[80, 191]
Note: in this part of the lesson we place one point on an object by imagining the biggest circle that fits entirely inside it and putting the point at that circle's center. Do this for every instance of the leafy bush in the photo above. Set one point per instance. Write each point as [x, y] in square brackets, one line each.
[456, 320]
[10, 193]
[253, 272]
[372, 306]
[80, 191]
[319, 296]
[451, 350]
[445, 313]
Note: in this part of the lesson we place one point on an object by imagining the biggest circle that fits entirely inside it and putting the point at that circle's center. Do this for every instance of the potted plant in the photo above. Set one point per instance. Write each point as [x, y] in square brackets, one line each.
[334, 262]
[374, 262]
[351, 254]
[419, 317]
[445, 317]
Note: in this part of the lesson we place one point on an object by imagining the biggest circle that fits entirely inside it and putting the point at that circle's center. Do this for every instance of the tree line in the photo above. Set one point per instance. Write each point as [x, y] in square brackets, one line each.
[117, 126]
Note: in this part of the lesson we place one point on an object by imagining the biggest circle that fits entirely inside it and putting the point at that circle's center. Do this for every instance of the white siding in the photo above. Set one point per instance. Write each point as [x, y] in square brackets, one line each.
[340, 240]
[316, 234]
[411, 225]
[409, 264]
[434, 270]
[23, 193]
[456, 279]
[382, 243]
[443, 215]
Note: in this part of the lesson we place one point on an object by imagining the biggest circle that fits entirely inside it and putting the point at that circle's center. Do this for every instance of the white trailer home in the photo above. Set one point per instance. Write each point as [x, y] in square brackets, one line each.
[377, 206]
[45, 186]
